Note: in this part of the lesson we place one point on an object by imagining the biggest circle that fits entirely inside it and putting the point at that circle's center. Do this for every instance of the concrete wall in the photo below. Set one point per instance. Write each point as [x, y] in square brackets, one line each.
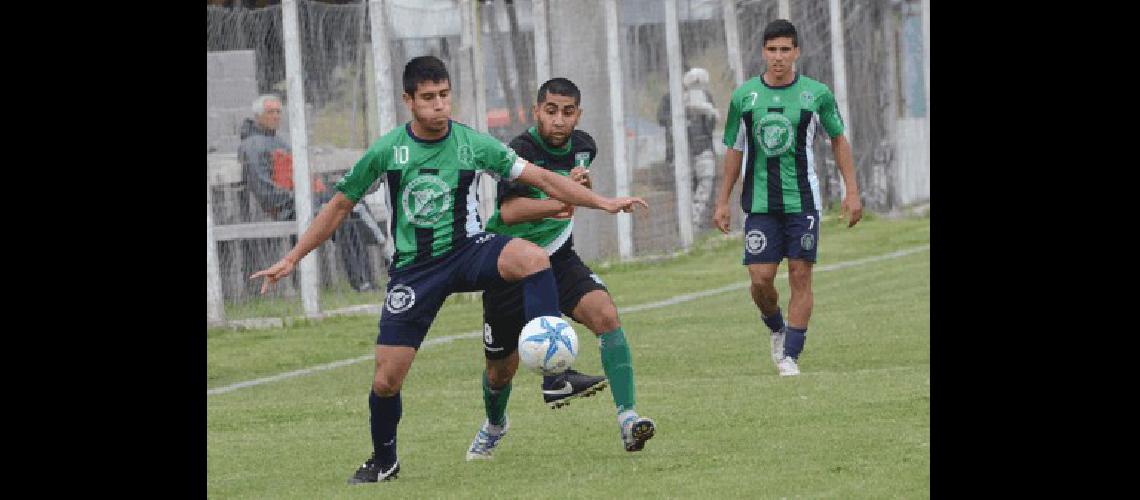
[912, 182]
[231, 87]
[577, 52]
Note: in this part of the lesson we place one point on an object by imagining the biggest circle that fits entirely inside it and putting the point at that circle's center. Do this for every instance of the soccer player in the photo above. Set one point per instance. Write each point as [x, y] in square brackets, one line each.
[430, 166]
[771, 122]
[529, 213]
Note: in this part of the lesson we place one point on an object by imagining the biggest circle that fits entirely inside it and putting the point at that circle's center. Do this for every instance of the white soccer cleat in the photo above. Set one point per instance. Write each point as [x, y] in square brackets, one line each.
[485, 441]
[787, 367]
[778, 346]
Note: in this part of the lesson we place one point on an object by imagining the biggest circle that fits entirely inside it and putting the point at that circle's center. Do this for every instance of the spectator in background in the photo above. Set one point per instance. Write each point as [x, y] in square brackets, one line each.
[700, 121]
[267, 170]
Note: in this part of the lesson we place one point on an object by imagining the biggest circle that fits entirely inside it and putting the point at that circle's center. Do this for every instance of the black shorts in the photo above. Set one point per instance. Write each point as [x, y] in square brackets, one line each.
[416, 292]
[503, 307]
[768, 238]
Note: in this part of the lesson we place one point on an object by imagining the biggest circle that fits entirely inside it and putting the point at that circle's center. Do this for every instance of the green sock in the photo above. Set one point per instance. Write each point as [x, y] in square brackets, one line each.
[495, 401]
[618, 364]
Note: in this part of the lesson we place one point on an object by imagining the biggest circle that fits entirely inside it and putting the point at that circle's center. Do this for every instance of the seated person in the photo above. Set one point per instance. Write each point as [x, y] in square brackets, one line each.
[267, 170]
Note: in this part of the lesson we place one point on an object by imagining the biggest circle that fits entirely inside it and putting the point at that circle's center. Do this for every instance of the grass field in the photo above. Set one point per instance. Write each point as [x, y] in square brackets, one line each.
[855, 424]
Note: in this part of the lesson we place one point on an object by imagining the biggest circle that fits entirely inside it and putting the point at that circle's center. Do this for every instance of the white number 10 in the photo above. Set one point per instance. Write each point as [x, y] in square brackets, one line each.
[400, 154]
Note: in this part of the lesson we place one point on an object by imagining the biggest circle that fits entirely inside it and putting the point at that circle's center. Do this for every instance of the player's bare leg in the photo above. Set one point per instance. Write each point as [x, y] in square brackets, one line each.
[799, 312]
[766, 298]
[596, 310]
[385, 406]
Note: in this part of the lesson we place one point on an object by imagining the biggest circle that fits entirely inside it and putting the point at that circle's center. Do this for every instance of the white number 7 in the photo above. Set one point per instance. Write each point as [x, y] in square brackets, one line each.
[753, 98]
[811, 224]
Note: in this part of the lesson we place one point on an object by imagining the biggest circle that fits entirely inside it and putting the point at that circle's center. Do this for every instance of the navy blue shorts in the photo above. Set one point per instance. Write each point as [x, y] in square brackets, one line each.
[768, 238]
[416, 293]
[503, 308]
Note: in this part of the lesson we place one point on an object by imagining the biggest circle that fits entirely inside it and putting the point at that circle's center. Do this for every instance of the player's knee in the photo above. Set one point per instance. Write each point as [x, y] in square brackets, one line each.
[385, 386]
[764, 284]
[607, 320]
[799, 275]
[533, 259]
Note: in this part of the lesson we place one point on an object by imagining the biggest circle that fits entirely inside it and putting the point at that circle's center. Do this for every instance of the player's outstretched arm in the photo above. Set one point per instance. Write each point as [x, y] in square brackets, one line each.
[851, 205]
[518, 209]
[732, 160]
[322, 227]
[564, 189]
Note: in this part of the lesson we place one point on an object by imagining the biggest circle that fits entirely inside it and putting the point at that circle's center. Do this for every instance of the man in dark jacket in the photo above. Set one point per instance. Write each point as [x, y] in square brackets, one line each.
[267, 170]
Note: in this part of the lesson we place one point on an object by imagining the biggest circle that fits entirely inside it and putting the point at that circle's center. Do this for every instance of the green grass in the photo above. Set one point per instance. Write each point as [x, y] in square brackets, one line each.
[275, 305]
[855, 424]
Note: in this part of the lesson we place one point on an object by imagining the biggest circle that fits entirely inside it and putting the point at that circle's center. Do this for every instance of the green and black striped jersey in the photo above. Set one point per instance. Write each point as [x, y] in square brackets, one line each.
[432, 186]
[774, 127]
[549, 233]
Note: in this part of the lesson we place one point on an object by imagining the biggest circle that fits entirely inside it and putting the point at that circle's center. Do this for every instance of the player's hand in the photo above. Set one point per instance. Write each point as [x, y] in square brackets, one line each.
[853, 206]
[581, 175]
[720, 218]
[275, 272]
[623, 204]
[566, 213]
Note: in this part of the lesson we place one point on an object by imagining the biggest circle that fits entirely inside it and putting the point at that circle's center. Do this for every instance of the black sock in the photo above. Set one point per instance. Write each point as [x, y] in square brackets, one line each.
[775, 322]
[540, 295]
[794, 341]
[384, 417]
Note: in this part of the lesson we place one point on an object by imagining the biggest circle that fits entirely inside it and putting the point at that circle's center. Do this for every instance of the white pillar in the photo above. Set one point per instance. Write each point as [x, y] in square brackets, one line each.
[681, 169]
[617, 112]
[732, 40]
[382, 63]
[784, 10]
[839, 70]
[215, 307]
[541, 43]
[474, 17]
[926, 58]
[471, 51]
[303, 191]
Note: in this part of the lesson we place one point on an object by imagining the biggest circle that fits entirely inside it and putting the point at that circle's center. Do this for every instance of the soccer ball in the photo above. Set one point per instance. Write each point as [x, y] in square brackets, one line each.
[548, 345]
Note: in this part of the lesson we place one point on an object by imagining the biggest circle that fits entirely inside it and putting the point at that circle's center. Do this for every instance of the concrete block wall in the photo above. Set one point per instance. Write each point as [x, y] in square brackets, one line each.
[231, 86]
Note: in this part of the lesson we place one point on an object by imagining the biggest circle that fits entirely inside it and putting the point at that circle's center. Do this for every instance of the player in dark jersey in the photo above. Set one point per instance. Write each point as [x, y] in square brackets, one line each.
[430, 166]
[772, 120]
[527, 212]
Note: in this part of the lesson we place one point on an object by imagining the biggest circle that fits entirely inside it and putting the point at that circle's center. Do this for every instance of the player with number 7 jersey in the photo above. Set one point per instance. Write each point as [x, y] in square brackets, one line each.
[771, 124]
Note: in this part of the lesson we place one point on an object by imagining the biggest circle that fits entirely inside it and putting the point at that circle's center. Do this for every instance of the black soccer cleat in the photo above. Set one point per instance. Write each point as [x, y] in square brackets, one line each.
[372, 472]
[571, 384]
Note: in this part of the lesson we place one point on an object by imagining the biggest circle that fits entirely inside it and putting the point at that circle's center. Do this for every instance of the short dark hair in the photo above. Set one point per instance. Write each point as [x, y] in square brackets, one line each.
[560, 86]
[422, 69]
[781, 28]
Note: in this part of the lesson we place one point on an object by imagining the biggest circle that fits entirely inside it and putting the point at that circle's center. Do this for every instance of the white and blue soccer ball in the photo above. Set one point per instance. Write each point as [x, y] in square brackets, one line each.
[548, 345]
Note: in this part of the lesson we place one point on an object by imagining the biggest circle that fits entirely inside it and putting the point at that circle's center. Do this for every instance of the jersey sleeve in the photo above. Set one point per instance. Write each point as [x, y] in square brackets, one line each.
[829, 114]
[732, 128]
[496, 158]
[360, 177]
[509, 188]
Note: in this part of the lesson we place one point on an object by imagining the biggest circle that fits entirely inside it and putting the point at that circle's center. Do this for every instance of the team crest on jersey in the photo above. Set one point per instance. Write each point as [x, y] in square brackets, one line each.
[400, 298]
[582, 159]
[806, 99]
[425, 200]
[775, 134]
[465, 154]
[755, 241]
[807, 241]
